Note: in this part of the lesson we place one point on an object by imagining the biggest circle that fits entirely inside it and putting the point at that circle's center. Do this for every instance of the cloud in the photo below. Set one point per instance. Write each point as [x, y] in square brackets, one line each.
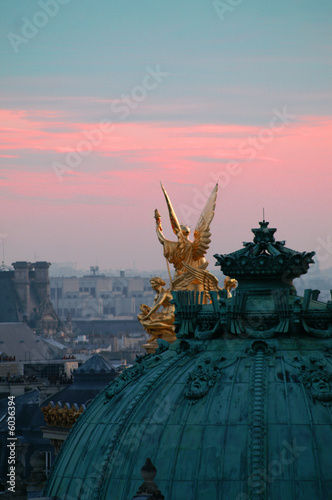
[143, 153]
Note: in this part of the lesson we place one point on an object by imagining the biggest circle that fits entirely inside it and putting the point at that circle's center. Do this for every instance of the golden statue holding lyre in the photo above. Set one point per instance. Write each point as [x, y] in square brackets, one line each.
[184, 250]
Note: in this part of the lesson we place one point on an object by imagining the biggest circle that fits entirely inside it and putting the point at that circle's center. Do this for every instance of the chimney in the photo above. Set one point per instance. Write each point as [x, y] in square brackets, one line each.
[22, 283]
[42, 280]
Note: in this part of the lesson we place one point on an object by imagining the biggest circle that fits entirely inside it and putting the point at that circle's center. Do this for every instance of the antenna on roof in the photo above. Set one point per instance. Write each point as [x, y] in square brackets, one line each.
[3, 267]
[3, 237]
[263, 215]
[94, 269]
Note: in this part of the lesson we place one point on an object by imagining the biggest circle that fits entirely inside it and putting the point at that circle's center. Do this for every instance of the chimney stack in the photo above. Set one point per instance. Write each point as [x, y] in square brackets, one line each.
[22, 283]
[42, 280]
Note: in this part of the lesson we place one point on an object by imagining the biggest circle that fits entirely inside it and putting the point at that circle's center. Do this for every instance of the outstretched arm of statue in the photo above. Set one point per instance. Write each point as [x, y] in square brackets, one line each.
[171, 250]
[159, 229]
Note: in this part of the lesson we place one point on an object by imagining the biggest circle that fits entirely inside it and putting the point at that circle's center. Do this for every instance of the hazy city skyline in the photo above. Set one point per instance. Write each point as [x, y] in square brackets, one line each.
[101, 101]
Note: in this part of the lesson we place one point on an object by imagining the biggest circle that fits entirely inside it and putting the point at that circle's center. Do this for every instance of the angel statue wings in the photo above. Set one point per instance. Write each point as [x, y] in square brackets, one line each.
[184, 251]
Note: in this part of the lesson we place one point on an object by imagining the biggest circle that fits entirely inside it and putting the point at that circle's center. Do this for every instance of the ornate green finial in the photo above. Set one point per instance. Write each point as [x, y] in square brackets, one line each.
[264, 234]
[149, 489]
[265, 258]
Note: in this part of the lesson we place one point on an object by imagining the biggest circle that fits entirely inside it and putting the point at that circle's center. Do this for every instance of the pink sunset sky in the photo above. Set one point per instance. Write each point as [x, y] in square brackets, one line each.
[81, 163]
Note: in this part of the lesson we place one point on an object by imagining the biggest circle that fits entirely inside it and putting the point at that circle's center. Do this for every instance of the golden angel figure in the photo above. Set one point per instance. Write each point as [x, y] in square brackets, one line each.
[184, 250]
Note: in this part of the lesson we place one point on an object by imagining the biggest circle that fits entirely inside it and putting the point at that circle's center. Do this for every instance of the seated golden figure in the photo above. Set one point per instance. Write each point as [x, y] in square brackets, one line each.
[158, 324]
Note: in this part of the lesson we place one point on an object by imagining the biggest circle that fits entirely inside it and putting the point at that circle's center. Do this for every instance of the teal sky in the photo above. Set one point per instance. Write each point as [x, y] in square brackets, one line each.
[262, 54]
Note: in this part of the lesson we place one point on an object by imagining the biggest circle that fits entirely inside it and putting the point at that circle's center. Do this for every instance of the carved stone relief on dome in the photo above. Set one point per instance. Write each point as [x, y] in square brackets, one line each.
[318, 324]
[140, 366]
[124, 379]
[315, 377]
[260, 344]
[190, 349]
[207, 324]
[319, 383]
[201, 379]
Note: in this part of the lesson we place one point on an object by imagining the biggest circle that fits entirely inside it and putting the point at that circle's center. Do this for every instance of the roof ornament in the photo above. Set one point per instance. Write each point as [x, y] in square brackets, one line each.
[149, 489]
[265, 258]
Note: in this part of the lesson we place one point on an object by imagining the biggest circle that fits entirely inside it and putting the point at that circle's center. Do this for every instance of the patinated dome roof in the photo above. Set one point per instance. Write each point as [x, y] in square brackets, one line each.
[239, 407]
[217, 419]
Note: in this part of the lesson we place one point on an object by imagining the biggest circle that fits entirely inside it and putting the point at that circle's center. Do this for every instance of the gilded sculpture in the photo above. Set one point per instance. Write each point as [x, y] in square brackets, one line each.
[61, 415]
[208, 281]
[188, 259]
[158, 324]
[184, 250]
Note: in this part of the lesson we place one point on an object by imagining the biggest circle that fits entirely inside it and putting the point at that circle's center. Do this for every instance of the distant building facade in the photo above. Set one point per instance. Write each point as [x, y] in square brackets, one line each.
[100, 296]
[25, 297]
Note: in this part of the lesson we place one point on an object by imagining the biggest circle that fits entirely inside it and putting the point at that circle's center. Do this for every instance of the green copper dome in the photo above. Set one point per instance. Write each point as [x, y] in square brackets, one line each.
[239, 407]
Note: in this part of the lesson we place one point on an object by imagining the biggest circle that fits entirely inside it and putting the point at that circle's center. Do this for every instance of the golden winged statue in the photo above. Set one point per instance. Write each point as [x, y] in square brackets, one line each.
[188, 259]
[185, 251]
[208, 280]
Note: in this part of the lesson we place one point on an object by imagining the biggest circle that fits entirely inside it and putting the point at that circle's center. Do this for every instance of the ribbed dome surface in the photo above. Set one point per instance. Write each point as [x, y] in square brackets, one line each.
[221, 419]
